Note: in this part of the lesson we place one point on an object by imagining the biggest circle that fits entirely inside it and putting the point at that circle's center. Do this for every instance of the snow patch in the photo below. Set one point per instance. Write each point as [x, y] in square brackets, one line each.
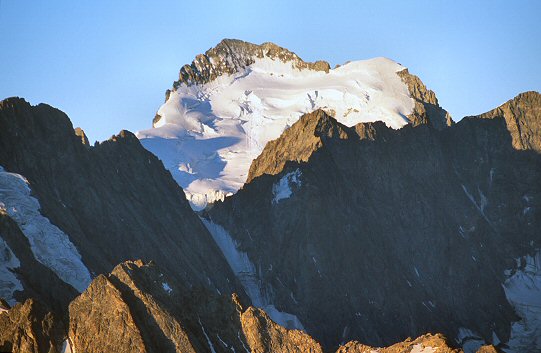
[166, 287]
[48, 243]
[67, 347]
[282, 189]
[246, 272]
[207, 337]
[419, 348]
[523, 291]
[208, 135]
[9, 283]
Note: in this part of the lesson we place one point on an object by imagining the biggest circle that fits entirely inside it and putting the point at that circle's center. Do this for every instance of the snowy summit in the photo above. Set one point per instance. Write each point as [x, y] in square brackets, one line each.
[231, 101]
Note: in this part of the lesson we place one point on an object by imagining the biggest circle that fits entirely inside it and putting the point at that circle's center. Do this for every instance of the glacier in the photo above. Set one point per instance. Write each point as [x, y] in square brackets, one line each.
[208, 134]
[48, 243]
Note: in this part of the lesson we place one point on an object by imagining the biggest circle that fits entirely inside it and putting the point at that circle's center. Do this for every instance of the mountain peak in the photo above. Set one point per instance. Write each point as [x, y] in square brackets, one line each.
[299, 142]
[522, 116]
[233, 55]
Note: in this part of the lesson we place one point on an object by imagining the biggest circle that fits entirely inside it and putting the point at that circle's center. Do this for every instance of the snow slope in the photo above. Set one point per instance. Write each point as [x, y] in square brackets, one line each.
[207, 135]
[48, 243]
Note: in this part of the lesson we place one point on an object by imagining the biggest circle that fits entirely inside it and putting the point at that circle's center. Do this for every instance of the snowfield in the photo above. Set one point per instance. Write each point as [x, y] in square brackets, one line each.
[208, 135]
[48, 243]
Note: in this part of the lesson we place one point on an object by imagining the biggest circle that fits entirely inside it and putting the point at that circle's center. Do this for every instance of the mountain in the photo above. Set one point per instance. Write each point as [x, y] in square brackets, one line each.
[359, 215]
[377, 234]
[70, 211]
[238, 96]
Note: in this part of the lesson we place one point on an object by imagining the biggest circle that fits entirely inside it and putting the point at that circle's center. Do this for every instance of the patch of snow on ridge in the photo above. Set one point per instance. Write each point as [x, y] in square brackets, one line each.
[166, 287]
[246, 272]
[67, 347]
[207, 135]
[419, 348]
[48, 243]
[9, 283]
[523, 291]
[282, 189]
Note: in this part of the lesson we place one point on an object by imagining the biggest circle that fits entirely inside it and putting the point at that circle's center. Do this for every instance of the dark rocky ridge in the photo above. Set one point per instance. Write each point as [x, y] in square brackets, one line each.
[130, 310]
[139, 307]
[115, 201]
[412, 229]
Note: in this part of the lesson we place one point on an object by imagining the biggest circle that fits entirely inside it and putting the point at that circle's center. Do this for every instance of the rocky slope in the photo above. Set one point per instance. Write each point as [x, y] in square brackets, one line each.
[137, 308]
[238, 96]
[70, 211]
[376, 234]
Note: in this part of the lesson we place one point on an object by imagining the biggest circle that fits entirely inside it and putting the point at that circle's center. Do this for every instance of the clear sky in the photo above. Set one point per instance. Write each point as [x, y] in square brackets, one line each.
[107, 63]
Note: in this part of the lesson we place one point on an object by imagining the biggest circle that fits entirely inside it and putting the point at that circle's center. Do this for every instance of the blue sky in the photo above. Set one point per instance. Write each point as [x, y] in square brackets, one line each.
[108, 63]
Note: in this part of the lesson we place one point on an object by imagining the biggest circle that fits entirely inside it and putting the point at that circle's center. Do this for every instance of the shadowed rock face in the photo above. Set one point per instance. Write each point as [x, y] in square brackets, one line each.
[387, 233]
[137, 308]
[323, 247]
[114, 200]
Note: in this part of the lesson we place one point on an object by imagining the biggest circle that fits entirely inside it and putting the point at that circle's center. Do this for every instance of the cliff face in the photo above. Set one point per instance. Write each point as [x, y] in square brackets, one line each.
[521, 115]
[30, 328]
[105, 204]
[427, 109]
[138, 309]
[379, 234]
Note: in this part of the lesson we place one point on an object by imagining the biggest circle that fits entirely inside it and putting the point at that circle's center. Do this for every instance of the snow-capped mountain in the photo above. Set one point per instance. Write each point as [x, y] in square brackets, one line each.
[231, 101]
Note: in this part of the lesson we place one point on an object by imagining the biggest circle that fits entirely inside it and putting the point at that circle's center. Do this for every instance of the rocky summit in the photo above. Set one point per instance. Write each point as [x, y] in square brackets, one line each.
[276, 205]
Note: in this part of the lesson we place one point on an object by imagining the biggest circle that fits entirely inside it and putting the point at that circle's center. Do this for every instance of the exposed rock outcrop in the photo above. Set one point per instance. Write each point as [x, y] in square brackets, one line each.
[30, 328]
[298, 143]
[425, 344]
[138, 309]
[232, 55]
[427, 109]
[521, 115]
